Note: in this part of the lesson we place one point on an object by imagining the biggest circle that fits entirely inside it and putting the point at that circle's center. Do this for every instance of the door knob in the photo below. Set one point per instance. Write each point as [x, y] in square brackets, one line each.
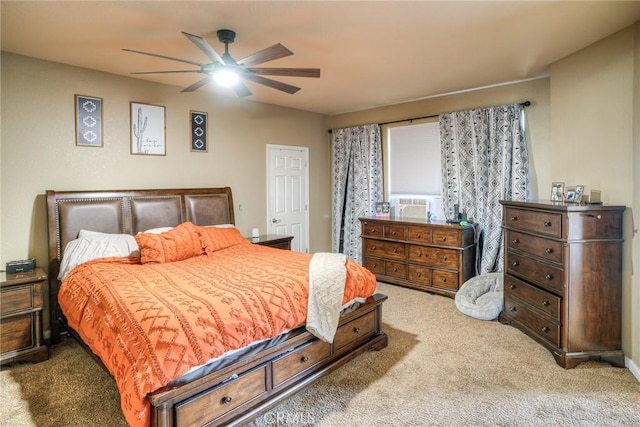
[275, 220]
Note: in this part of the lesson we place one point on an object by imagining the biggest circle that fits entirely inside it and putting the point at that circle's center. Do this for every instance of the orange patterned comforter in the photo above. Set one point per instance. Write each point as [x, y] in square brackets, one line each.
[151, 323]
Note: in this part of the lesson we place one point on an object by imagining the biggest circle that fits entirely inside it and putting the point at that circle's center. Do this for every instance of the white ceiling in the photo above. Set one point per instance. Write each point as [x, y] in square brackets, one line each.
[371, 53]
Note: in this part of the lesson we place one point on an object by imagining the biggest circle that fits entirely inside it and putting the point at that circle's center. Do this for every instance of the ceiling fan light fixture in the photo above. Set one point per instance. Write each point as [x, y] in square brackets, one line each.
[226, 77]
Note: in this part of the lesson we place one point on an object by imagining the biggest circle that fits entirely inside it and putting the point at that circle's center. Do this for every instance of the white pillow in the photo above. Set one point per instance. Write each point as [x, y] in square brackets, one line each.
[85, 249]
[157, 230]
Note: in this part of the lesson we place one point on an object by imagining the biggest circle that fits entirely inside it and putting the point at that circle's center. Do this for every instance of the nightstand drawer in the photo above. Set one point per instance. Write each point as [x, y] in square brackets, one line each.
[18, 299]
[16, 333]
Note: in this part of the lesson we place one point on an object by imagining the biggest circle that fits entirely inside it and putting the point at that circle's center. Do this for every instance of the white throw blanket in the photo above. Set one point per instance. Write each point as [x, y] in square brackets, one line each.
[327, 276]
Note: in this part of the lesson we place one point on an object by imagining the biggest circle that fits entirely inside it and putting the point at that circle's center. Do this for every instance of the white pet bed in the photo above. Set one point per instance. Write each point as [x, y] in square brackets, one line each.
[481, 297]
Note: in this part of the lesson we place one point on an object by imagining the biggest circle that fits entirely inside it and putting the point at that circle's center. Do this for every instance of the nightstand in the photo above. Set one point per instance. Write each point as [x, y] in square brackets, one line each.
[273, 241]
[21, 306]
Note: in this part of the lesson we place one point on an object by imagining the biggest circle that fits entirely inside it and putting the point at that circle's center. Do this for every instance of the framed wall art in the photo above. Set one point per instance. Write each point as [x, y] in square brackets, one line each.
[199, 135]
[88, 121]
[148, 129]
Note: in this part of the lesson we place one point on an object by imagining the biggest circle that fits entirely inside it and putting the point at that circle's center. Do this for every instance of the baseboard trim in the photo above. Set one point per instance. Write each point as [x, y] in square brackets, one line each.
[633, 367]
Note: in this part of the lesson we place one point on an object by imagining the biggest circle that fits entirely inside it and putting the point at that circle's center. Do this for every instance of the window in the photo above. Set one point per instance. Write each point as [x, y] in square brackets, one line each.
[413, 178]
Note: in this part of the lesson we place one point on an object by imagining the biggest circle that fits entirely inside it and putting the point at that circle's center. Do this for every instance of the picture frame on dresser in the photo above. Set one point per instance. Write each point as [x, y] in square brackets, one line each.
[147, 129]
[577, 197]
[557, 191]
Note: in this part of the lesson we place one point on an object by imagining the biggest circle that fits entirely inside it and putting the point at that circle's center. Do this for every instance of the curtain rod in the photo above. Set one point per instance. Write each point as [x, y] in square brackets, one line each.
[522, 104]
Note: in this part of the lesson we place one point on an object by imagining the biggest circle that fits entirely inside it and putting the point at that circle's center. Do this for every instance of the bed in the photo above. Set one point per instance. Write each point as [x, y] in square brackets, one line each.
[242, 381]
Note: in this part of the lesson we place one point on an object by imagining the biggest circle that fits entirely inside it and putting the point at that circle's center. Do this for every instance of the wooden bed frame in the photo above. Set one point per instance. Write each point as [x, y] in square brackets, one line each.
[241, 391]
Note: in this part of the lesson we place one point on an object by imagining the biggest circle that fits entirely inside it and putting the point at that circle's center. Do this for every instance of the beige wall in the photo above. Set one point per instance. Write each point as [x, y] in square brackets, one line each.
[38, 149]
[582, 129]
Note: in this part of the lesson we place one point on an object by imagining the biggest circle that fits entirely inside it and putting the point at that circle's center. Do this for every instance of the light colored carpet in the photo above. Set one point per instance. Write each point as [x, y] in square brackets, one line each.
[441, 368]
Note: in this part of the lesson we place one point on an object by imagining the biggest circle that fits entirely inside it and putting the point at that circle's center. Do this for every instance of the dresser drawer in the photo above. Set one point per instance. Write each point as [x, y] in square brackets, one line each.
[299, 360]
[371, 229]
[420, 274]
[419, 234]
[545, 223]
[445, 279]
[436, 257]
[395, 269]
[16, 333]
[213, 403]
[550, 250]
[538, 324]
[393, 232]
[445, 237]
[384, 249]
[374, 265]
[541, 274]
[355, 331]
[546, 302]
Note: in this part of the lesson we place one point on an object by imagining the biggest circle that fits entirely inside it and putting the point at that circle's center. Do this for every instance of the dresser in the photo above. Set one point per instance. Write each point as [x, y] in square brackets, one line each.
[563, 278]
[21, 306]
[434, 256]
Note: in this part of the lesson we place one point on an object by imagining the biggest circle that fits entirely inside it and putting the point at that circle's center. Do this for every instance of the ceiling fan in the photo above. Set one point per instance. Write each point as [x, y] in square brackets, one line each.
[228, 72]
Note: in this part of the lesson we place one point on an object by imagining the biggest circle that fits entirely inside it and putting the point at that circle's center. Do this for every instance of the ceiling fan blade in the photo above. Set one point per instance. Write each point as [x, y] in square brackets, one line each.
[289, 72]
[197, 85]
[166, 72]
[271, 83]
[205, 47]
[265, 55]
[241, 89]
[164, 56]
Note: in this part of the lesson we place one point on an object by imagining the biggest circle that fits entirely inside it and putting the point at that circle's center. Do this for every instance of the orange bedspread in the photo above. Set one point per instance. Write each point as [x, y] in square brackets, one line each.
[151, 323]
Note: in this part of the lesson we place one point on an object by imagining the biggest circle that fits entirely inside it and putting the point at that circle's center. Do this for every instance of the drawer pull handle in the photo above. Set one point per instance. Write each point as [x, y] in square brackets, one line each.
[356, 330]
[418, 235]
[545, 303]
[514, 218]
[547, 223]
[304, 359]
[549, 276]
[419, 275]
[419, 253]
[393, 233]
[226, 400]
[515, 241]
[444, 239]
[373, 247]
[374, 265]
[512, 287]
[515, 263]
[548, 250]
[444, 280]
[444, 258]
[545, 329]
[395, 269]
[512, 309]
[395, 250]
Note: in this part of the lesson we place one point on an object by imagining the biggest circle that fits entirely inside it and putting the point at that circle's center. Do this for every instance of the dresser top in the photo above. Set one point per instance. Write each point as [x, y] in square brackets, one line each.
[560, 206]
[419, 221]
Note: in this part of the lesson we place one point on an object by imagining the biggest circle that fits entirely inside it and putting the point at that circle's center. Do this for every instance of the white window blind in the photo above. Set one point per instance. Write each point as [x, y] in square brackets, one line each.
[414, 159]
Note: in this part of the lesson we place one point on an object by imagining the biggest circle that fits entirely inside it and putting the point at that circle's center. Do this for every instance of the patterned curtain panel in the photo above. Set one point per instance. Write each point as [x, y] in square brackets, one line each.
[484, 160]
[356, 180]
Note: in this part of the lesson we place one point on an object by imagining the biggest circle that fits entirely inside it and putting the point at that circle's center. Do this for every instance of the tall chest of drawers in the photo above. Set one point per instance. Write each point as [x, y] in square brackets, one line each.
[429, 255]
[563, 278]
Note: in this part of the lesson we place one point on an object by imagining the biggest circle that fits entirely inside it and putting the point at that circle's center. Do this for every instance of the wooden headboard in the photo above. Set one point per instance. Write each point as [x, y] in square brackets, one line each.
[124, 212]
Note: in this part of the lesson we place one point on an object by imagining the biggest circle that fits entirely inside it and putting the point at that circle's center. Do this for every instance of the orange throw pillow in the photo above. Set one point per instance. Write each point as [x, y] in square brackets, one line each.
[215, 238]
[181, 242]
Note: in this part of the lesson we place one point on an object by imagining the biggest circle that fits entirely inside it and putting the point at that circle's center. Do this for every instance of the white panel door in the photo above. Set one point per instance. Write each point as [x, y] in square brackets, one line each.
[287, 192]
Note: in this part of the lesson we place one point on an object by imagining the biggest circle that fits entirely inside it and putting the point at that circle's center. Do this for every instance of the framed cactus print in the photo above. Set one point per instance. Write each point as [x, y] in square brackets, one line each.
[148, 129]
